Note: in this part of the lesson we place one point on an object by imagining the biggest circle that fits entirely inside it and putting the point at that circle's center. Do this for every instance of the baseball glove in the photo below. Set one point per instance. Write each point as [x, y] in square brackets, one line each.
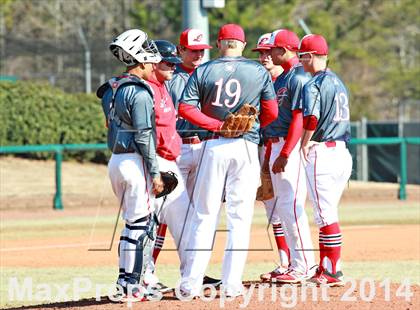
[239, 123]
[265, 191]
[170, 182]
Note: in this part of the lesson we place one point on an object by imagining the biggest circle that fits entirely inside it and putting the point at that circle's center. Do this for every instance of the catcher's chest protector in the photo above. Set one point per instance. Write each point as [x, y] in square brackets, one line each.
[115, 83]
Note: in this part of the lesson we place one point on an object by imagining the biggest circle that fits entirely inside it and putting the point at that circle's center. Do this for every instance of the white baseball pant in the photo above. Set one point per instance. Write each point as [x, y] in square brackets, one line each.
[290, 191]
[230, 167]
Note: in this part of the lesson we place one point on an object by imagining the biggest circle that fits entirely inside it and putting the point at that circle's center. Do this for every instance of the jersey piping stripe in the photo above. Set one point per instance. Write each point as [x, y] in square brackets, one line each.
[316, 190]
[296, 221]
[145, 182]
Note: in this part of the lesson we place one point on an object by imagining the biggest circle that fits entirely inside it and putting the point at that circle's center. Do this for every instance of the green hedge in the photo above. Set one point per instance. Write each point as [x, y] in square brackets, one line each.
[35, 113]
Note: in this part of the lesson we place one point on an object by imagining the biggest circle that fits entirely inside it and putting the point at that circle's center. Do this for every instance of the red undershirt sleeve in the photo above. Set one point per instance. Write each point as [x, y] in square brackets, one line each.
[310, 122]
[294, 133]
[267, 151]
[269, 112]
[196, 117]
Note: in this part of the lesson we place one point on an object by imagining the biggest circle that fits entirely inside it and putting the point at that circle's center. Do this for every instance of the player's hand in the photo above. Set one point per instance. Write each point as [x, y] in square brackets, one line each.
[305, 152]
[279, 164]
[306, 148]
[158, 185]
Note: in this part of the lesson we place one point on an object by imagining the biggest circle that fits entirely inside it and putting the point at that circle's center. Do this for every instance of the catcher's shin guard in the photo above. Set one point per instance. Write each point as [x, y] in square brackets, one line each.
[136, 245]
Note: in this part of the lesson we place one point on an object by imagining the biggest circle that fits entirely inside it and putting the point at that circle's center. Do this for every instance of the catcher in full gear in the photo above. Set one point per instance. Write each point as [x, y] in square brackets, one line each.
[127, 101]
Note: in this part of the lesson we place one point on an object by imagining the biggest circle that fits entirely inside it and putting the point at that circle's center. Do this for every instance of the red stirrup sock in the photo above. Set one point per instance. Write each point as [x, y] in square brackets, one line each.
[281, 245]
[330, 247]
[160, 239]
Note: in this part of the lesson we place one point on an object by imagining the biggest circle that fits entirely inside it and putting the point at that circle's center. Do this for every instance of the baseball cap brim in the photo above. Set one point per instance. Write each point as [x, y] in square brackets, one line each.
[198, 47]
[174, 60]
[295, 49]
[261, 48]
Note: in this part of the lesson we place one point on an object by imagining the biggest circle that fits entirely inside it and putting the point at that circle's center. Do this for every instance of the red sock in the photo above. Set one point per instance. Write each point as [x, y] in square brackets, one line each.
[160, 239]
[281, 245]
[330, 247]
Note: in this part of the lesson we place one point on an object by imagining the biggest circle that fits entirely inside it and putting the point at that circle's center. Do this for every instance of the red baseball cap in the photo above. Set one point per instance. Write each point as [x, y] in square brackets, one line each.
[231, 32]
[314, 44]
[262, 42]
[193, 39]
[284, 38]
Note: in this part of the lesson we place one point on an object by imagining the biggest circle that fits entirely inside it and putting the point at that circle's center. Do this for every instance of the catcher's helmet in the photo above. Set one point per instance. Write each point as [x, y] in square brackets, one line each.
[168, 51]
[132, 47]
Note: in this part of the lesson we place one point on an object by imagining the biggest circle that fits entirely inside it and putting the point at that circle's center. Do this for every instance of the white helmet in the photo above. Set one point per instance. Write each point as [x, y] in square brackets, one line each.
[132, 47]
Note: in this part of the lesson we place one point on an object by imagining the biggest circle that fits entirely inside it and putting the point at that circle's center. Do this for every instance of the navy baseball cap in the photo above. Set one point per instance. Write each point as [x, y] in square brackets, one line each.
[168, 51]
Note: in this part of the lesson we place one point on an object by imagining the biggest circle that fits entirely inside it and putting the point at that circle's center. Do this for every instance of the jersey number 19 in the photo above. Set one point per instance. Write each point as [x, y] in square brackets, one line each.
[235, 94]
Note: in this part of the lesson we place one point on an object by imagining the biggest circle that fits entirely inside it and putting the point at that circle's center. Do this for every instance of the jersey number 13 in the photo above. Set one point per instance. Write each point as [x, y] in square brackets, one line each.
[342, 112]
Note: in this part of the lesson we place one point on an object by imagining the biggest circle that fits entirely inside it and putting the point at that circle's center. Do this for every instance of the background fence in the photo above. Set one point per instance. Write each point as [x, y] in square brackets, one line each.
[381, 162]
[58, 149]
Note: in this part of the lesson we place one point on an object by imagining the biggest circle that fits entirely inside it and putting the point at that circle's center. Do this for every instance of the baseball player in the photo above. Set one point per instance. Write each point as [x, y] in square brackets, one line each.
[265, 56]
[230, 166]
[173, 210]
[264, 51]
[326, 112]
[288, 175]
[191, 50]
[127, 102]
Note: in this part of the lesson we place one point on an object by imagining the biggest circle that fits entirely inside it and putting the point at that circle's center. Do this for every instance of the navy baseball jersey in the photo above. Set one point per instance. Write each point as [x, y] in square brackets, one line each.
[326, 98]
[288, 87]
[223, 85]
[175, 88]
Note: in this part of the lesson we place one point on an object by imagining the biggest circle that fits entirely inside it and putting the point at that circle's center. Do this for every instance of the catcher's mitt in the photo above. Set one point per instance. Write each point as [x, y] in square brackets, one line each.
[170, 182]
[239, 123]
[265, 191]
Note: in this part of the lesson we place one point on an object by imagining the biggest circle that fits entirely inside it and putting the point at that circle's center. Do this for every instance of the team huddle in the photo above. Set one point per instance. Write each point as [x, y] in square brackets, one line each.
[217, 126]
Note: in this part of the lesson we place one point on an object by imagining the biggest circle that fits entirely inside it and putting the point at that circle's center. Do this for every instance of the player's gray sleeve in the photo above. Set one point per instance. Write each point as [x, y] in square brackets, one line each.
[311, 98]
[296, 84]
[142, 119]
[190, 95]
[175, 88]
[268, 92]
[106, 99]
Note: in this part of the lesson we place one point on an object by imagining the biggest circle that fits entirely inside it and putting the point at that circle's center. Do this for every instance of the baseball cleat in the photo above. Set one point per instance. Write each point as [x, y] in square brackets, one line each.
[134, 297]
[185, 294]
[160, 287]
[266, 277]
[209, 280]
[290, 276]
[323, 277]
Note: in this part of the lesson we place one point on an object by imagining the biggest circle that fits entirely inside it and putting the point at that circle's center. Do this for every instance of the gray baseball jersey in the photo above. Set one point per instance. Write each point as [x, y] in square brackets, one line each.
[175, 88]
[288, 87]
[326, 98]
[223, 85]
[134, 106]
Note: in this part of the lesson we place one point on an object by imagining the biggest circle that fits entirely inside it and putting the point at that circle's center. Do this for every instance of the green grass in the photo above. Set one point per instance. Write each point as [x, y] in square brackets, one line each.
[169, 274]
